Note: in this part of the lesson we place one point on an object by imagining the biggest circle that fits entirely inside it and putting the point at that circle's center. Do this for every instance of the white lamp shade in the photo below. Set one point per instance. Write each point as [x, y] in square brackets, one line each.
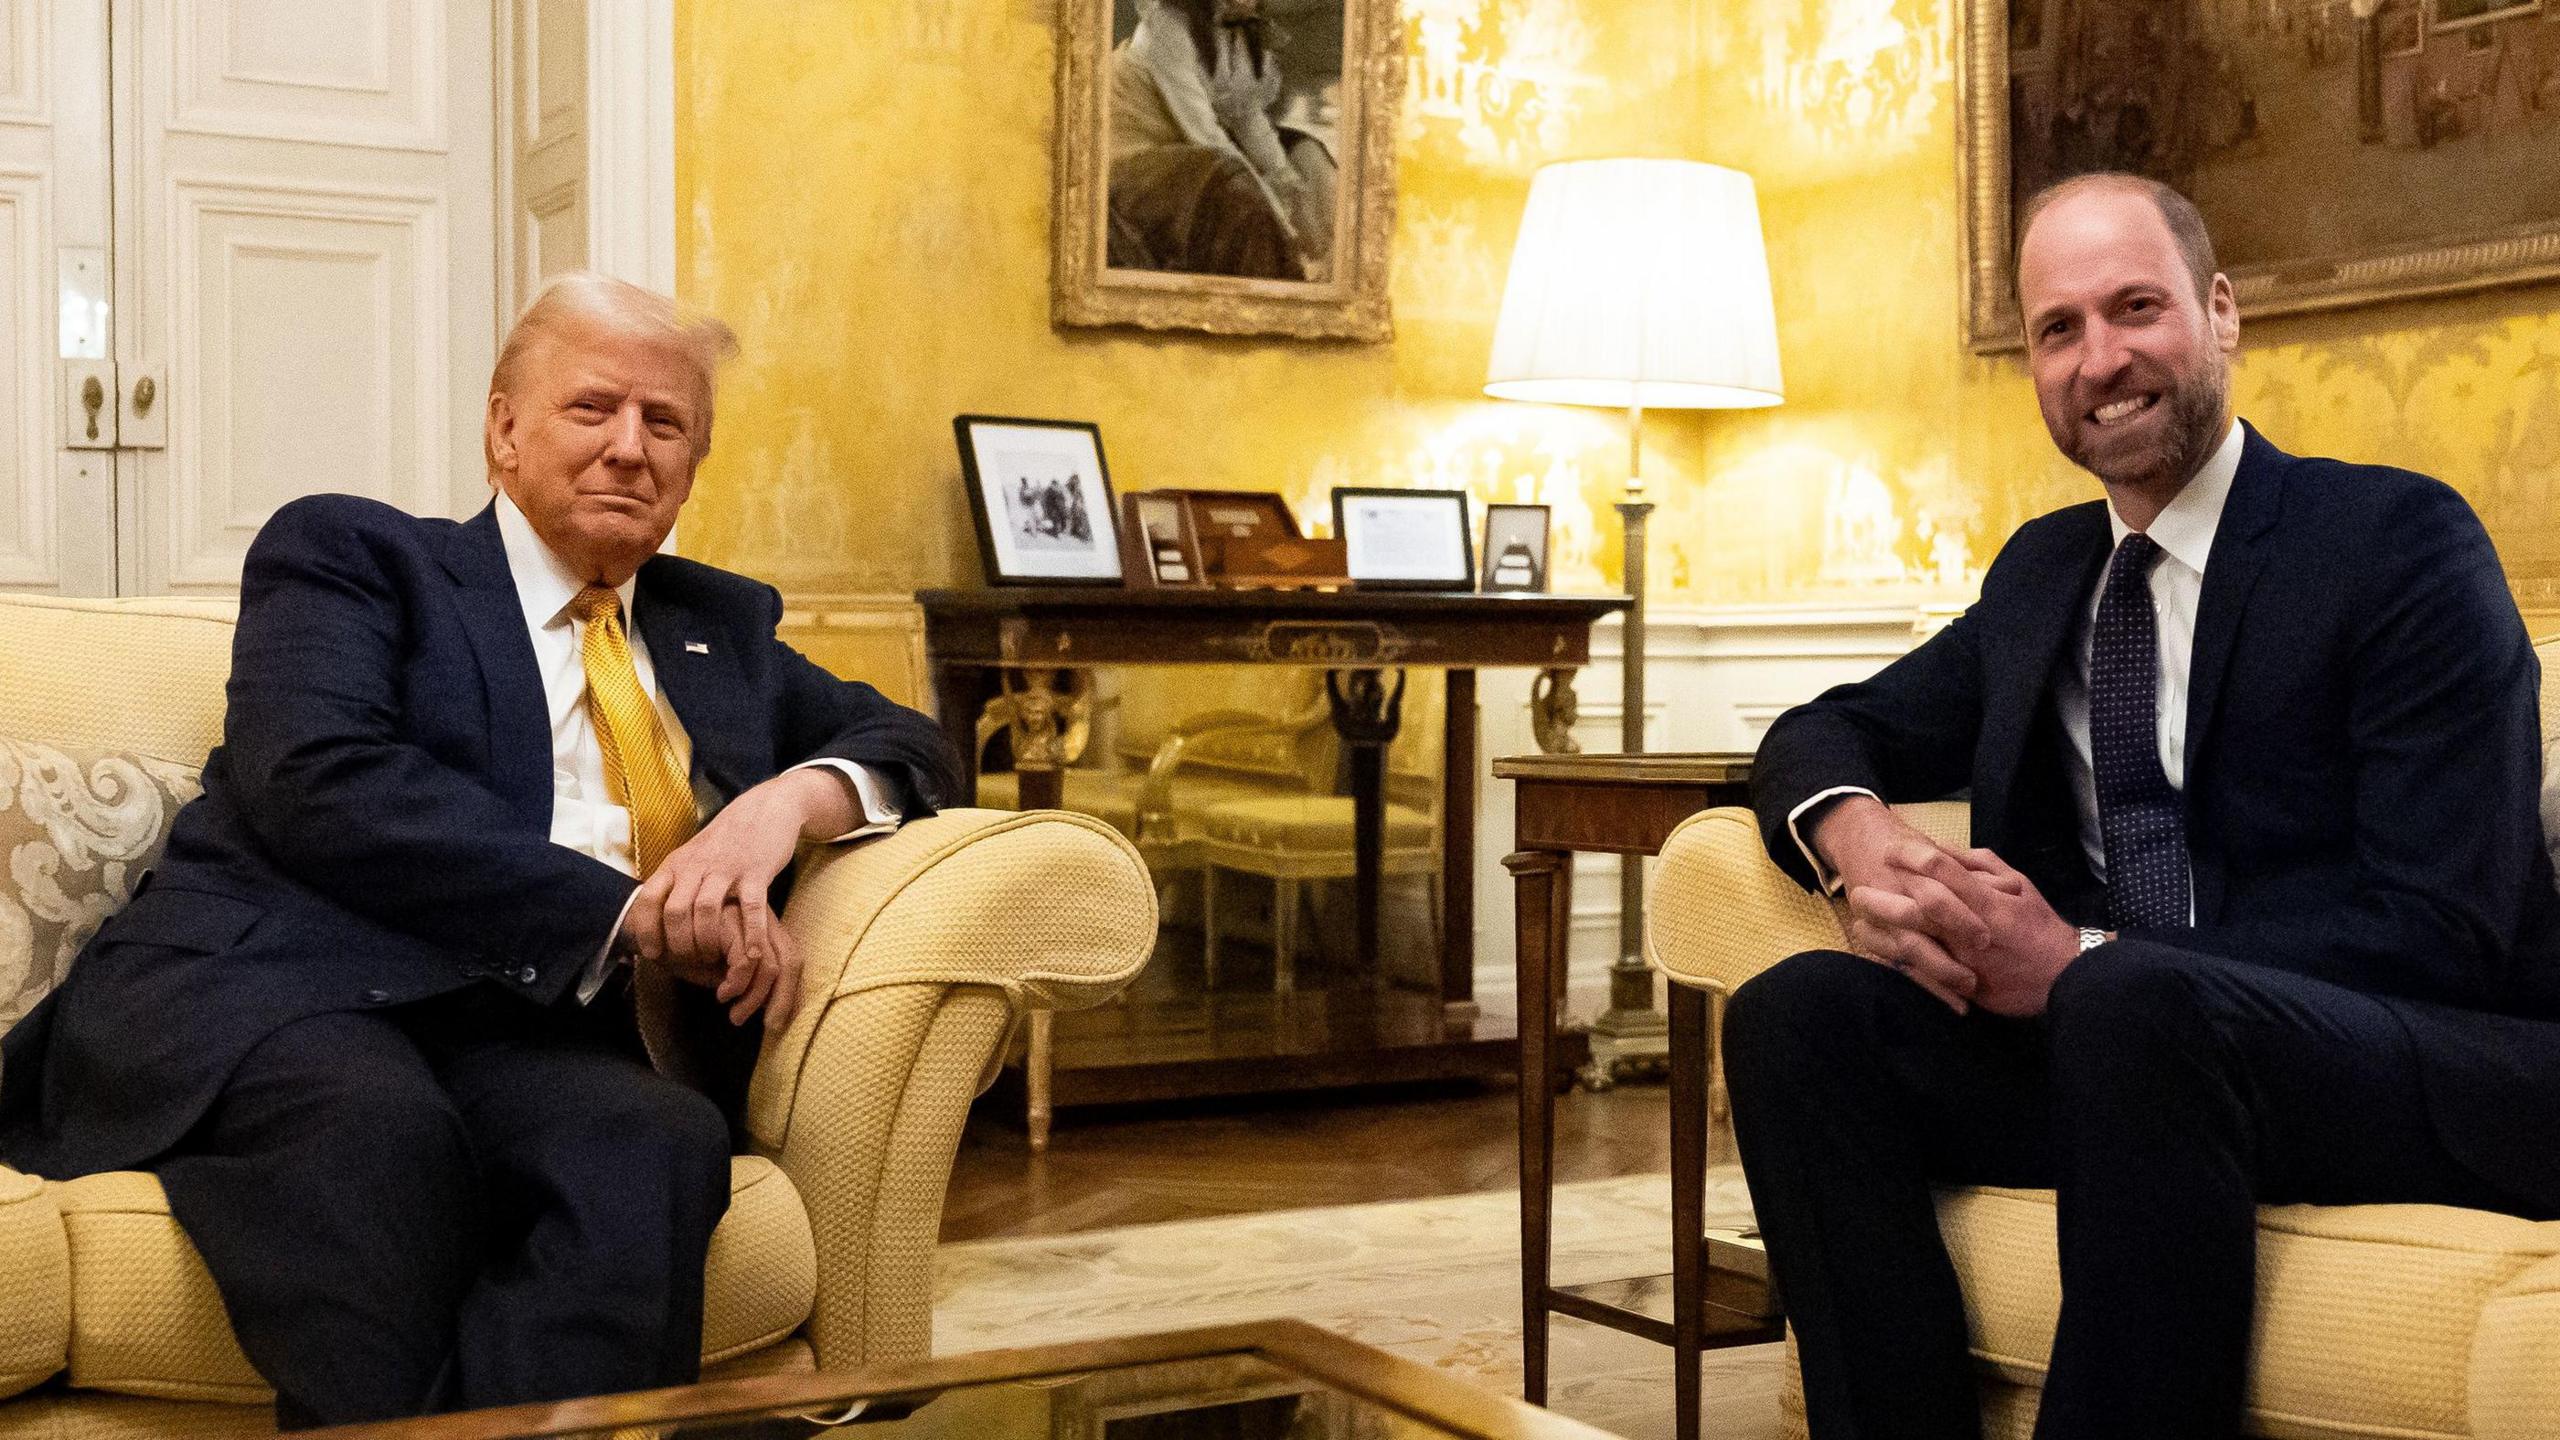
[1638, 282]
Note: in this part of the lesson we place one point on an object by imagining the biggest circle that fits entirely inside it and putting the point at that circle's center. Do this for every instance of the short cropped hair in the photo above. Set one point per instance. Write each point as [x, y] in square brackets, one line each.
[585, 295]
[2185, 222]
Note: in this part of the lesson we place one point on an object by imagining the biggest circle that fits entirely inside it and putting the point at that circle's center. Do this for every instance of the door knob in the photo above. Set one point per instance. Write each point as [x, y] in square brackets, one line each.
[93, 397]
[144, 392]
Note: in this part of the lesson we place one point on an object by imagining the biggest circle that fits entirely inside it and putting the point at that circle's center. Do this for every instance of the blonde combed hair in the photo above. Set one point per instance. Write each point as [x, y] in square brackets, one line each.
[598, 299]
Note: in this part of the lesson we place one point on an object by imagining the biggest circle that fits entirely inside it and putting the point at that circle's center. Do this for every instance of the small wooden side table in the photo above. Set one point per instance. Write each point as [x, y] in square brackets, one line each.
[1625, 805]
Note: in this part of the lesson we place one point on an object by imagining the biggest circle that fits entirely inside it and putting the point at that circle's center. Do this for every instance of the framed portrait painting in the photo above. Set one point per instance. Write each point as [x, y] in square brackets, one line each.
[2341, 153]
[1226, 165]
[1041, 500]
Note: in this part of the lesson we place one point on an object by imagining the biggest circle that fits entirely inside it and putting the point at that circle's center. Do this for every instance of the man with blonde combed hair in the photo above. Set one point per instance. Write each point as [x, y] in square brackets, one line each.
[494, 798]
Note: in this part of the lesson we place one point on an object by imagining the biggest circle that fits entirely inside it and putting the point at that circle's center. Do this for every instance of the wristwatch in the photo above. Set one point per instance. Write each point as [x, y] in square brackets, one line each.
[2091, 937]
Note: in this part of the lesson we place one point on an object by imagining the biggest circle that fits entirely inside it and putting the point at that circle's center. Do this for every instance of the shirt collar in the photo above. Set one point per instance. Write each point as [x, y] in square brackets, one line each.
[545, 585]
[2184, 527]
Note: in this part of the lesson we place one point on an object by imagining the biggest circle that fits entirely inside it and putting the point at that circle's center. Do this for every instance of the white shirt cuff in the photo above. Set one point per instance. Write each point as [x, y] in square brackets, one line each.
[600, 969]
[879, 817]
[1822, 872]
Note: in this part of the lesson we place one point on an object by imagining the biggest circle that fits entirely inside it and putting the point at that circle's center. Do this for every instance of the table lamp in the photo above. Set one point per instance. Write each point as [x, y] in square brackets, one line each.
[1637, 284]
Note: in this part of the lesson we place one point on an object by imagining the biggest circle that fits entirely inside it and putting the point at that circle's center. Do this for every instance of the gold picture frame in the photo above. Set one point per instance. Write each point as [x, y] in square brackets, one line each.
[1153, 261]
[2012, 64]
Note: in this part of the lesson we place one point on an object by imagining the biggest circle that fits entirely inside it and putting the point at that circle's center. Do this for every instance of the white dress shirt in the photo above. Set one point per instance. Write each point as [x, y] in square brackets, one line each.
[2184, 531]
[584, 815]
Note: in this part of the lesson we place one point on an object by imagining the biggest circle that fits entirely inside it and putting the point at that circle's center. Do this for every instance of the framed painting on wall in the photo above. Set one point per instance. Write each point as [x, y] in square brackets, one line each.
[2341, 153]
[1226, 165]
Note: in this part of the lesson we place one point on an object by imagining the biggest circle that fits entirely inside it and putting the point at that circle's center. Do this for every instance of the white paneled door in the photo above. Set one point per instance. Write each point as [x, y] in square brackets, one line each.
[309, 204]
[295, 257]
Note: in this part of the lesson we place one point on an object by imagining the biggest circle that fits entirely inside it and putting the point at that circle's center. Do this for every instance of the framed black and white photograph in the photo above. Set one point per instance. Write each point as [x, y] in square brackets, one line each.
[1515, 547]
[1042, 500]
[1405, 539]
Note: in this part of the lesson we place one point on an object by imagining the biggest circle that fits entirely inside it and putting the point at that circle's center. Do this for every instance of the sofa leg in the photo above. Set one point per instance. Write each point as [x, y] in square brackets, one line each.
[1035, 1089]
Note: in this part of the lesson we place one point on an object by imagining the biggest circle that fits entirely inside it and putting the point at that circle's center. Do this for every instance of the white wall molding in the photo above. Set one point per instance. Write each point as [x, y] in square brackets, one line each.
[1715, 677]
[631, 156]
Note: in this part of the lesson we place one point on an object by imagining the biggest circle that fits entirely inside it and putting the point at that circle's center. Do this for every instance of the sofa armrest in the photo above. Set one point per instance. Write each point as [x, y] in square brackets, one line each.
[1720, 912]
[35, 1283]
[2515, 1387]
[920, 951]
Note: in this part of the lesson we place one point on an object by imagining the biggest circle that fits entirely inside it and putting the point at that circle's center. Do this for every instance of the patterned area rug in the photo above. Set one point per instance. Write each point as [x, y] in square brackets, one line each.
[1432, 1280]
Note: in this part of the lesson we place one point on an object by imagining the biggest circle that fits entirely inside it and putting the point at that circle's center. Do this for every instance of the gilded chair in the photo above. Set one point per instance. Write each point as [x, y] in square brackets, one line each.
[1303, 838]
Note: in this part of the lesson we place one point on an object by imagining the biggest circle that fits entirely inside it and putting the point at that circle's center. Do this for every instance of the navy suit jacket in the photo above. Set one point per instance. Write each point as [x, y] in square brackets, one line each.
[375, 825]
[2363, 757]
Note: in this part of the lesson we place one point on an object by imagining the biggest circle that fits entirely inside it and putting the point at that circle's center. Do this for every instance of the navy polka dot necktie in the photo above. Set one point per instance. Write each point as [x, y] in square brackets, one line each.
[2139, 816]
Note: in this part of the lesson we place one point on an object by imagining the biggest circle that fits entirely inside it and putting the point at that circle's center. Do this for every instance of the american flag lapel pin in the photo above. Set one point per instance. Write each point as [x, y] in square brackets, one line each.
[696, 647]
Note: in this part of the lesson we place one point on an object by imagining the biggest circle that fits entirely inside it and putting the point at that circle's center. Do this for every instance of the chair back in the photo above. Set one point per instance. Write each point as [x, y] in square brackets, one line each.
[143, 675]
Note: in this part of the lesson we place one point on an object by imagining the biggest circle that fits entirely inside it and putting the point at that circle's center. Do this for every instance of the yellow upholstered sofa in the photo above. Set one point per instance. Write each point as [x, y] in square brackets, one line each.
[2407, 1321]
[923, 949]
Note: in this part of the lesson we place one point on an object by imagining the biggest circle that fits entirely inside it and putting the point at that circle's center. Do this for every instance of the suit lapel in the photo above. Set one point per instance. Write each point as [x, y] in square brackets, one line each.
[2230, 571]
[519, 717]
[2022, 686]
[700, 674]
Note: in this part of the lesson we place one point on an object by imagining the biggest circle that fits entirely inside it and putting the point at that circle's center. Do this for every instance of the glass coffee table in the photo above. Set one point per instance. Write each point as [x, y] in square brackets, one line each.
[1271, 1380]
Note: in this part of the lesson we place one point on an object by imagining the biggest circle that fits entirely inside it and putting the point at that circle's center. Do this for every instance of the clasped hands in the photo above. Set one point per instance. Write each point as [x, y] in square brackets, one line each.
[1962, 924]
[702, 915]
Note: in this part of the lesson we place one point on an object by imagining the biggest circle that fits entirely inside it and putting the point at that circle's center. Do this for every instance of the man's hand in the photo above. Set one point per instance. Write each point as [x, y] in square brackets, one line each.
[2021, 945]
[1904, 907]
[703, 914]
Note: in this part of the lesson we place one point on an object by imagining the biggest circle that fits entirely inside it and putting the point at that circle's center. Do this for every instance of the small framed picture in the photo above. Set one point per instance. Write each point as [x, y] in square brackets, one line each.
[1515, 547]
[1159, 548]
[1405, 539]
[1041, 499]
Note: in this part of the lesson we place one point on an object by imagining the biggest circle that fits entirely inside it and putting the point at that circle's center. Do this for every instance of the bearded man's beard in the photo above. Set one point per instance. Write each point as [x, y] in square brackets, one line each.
[2193, 429]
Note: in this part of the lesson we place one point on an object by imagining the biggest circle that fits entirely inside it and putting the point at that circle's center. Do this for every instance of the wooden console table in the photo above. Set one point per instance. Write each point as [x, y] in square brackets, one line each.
[1029, 651]
[1625, 805]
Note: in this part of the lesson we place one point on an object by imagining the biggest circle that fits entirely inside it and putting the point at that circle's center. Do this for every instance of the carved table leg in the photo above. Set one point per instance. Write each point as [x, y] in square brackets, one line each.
[1366, 714]
[1553, 711]
[1047, 713]
[1542, 887]
[1036, 1079]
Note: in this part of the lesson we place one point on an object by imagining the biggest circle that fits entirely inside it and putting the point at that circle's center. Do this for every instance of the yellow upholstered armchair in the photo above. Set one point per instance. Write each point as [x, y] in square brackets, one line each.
[1220, 792]
[2373, 1320]
[923, 950]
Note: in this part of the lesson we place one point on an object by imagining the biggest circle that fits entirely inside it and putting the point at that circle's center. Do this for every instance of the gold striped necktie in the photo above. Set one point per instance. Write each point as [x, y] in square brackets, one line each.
[640, 766]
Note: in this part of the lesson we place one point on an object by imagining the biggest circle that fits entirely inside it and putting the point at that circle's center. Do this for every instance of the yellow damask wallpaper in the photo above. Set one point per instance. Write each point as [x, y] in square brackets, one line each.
[1899, 462]
[866, 199]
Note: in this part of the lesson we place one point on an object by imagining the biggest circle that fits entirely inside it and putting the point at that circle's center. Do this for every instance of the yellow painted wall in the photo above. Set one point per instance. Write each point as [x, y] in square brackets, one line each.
[866, 199]
[1892, 436]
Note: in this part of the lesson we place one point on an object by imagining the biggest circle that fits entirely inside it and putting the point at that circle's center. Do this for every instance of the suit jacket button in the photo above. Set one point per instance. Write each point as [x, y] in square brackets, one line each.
[376, 997]
[527, 975]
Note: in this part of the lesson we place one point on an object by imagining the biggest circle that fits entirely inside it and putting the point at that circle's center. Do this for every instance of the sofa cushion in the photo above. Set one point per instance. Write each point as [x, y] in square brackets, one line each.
[1306, 823]
[2366, 1313]
[35, 1284]
[145, 1318]
[77, 828]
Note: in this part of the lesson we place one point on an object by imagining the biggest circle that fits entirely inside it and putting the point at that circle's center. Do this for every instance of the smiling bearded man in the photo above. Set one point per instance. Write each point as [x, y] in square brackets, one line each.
[492, 796]
[2258, 909]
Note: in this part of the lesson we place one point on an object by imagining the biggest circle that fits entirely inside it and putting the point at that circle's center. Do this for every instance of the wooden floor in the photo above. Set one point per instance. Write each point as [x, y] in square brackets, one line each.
[1134, 1166]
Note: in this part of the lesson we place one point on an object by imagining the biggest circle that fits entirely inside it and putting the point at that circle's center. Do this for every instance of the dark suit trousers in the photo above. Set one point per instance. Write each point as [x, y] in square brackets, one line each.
[527, 1203]
[2163, 1095]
